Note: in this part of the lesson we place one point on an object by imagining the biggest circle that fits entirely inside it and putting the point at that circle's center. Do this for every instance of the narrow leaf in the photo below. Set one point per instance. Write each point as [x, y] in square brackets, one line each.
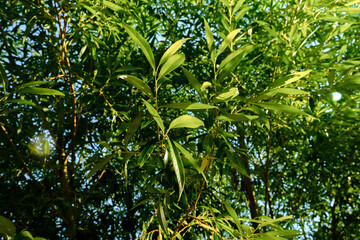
[98, 166]
[227, 41]
[186, 121]
[236, 117]
[40, 91]
[139, 84]
[286, 91]
[189, 157]
[281, 108]
[178, 166]
[22, 101]
[113, 6]
[155, 115]
[143, 44]
[3, 78]
[172, 50]
[162, 218]
[32, 84]
[194, 83]
[7, 227]
[289, 79]
[229, 64]
[145, 153]
[189, 106]
[233, 215]
[171, 64]
[135, 124]
[210, 41]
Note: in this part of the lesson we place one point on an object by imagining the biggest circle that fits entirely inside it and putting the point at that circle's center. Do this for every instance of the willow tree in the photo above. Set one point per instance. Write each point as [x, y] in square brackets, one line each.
[166, 119]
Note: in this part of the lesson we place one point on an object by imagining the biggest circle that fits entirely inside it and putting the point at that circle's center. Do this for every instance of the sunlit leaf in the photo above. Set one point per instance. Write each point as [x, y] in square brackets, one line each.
[172, 50]
[178, 166]
[40, 91]
[186, 121]
[289, 79]
[171, 64]
[282, 108]
[226, 95]
[232, 61]
[113, 6]
[210, 41]
[139, 84]
[155, 115]
[226, 43]
[143, 44]
[189, 106]
[236, 117]
[233, 215]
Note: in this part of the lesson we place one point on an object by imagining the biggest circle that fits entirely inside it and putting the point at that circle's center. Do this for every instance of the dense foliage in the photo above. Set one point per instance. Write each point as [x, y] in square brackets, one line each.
[179, 119]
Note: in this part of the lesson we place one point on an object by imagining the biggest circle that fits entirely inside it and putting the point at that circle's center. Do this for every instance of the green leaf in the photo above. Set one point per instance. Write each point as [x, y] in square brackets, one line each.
[226, 95]
[233, 215]
[155, 115]
[352, 3]
[46, 149]
[32, 84]
[210, 41]
[139, 84]
[143, 44]
[194, 83]
[228, 41]
[289, 79]
[171, 64]
[229, 64]
[40, 91]
[238, 5]
[186, 121]
[145, 153]
[189, 157]
[99, 165]
[286, 91]
[135, 124]
[3, 78]
[172, 50]
[7, 227]
[162, 218]
[281, 108]
[24, 235]
[22, 101]
[349, 10]
[189, 106]
[178, 166]
[113, 6]
[236, 117]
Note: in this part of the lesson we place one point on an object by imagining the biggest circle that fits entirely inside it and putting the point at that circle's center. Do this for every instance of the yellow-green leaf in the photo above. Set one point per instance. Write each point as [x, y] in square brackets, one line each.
[155, 115]
[186, 121]
[139, 84]
[171, 64]
[143, 44]
[189, 106]
[172, 50]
